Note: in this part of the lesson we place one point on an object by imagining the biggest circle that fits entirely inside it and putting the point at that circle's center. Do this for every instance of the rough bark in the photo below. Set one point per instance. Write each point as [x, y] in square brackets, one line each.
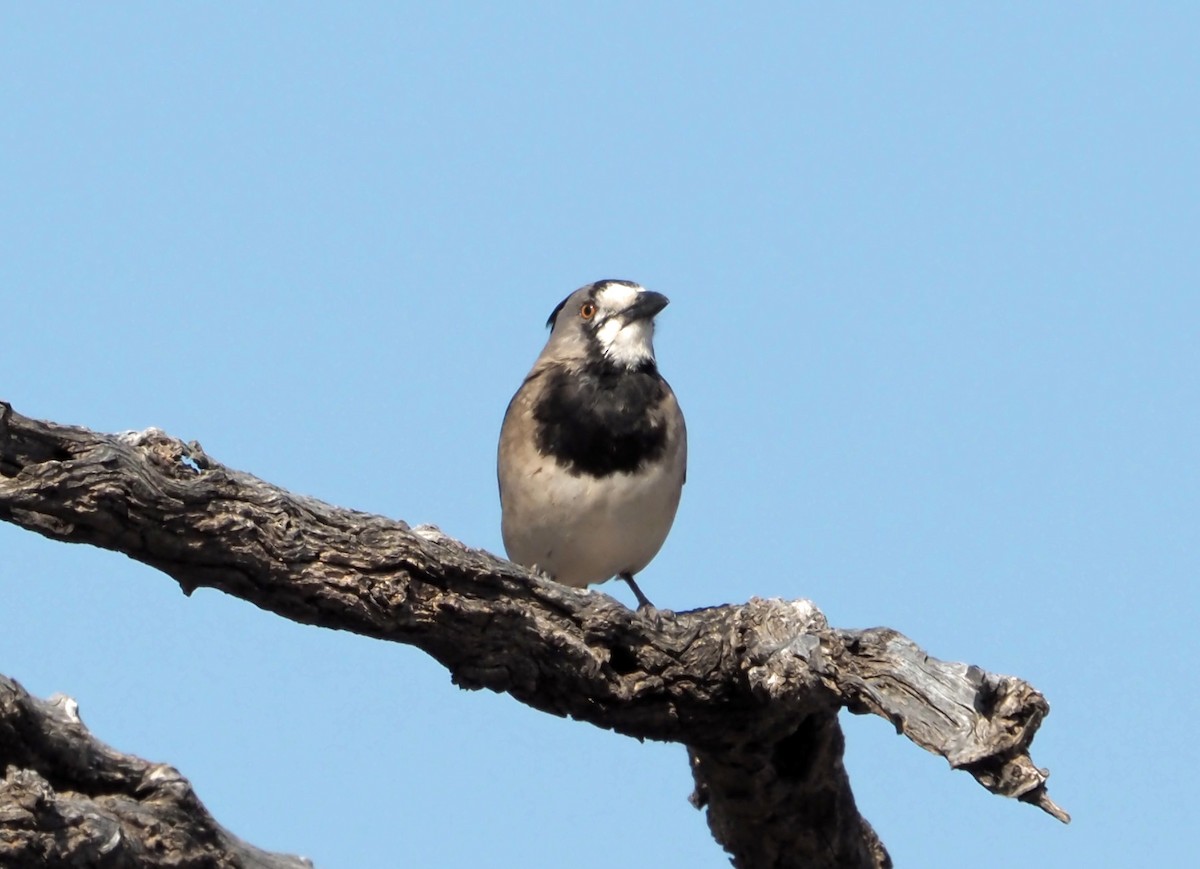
[752, 690]
[67, 799]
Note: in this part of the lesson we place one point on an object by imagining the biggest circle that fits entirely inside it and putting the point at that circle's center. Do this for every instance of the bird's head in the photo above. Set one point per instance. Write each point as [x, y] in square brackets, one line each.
[607, 320]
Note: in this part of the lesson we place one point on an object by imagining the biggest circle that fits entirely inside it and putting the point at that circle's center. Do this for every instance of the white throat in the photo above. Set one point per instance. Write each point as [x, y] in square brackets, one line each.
[627, 344]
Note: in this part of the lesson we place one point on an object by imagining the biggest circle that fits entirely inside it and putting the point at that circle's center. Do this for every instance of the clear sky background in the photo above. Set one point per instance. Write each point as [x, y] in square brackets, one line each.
[935, 323]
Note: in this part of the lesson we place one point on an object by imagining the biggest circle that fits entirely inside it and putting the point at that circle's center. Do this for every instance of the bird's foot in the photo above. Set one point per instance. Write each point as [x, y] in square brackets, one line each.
[657, 618]
[645, 609]
[643, 601]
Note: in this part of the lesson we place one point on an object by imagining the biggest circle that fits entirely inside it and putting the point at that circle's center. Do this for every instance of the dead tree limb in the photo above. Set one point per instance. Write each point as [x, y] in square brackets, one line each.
[67, 799]
[752, 690]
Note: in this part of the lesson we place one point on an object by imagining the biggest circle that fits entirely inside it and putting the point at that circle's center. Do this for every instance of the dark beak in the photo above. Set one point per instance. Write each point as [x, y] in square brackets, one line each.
[646, 306]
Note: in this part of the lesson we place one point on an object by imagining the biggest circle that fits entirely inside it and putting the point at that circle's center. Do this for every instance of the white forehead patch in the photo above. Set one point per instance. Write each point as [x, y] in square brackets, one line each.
[617, 297]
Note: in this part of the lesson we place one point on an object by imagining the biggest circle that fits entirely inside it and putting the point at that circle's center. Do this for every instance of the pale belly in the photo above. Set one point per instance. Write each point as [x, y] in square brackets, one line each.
[583, 530]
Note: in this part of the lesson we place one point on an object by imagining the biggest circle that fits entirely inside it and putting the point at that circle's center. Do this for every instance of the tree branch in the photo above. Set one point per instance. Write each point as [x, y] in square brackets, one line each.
[752, 690]
[67, 799]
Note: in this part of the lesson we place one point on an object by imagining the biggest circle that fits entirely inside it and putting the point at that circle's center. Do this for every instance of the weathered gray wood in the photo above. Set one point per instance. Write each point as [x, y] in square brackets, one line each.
[753, 690]
[68, 800]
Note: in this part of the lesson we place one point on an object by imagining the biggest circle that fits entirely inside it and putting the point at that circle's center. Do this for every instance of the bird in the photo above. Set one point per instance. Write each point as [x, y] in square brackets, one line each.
[593, 448]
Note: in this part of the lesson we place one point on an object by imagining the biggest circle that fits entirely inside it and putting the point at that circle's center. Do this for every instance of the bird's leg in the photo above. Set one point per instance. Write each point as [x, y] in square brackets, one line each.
[643, 601]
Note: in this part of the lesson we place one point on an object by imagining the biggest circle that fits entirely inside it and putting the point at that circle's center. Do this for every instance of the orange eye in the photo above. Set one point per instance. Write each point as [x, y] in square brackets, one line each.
[587, 311]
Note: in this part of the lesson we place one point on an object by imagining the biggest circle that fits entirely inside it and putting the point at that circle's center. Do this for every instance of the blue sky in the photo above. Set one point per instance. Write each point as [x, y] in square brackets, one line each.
[934, 324]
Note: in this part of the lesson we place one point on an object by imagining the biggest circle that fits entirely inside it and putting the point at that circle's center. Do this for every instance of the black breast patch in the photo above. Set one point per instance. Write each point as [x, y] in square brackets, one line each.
[599, 420]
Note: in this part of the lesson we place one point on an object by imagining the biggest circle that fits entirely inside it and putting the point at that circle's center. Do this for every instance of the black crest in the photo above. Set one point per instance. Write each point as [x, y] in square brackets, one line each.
[553, 318]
